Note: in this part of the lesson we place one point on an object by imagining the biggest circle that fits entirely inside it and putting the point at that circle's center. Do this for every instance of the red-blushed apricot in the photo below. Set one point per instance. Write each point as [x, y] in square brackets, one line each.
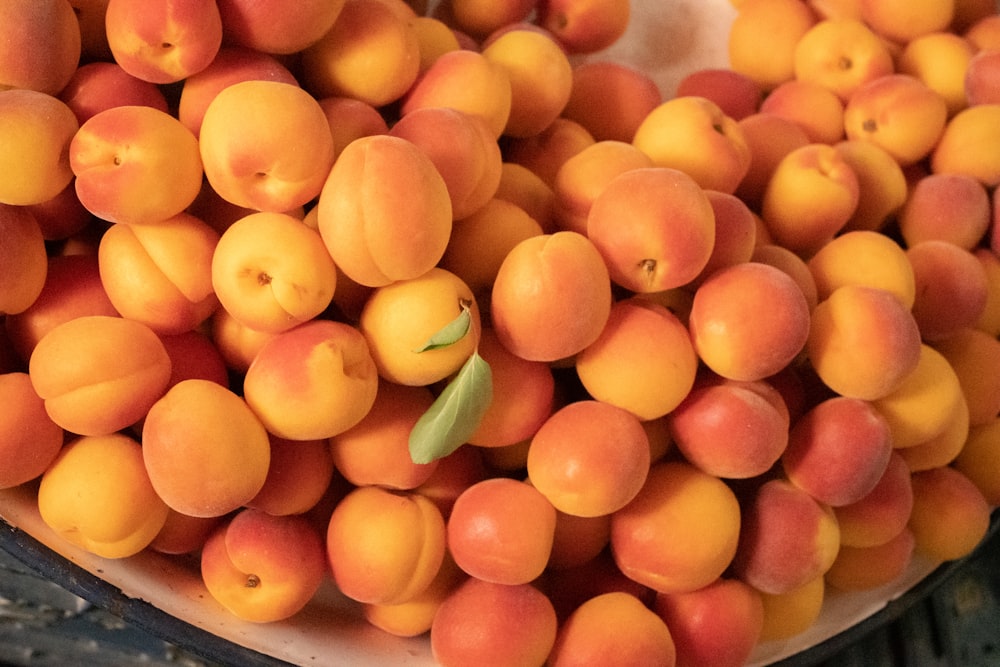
[838, 450]
[769, 138]
[540, 77]
[24, 257]
[266, 145]
[400, 319]
[589, 458]
[452, 475]
[734, 92]
[135, 164]
[680, 532]
[718, 624]
[811, 195]
[479, 19]
[642, 362]
[625, 223]
[99, 374]
[979, 460]
[841, 54]
[384, 212]
[974, 355]
[375, 451]
[416, 616]
[370, 53]
[501, 530]
[863, 341]
[789, 614]
[583, 176]
[263, 568]
[29, 439]
[613, 629]
[863, 257]
[866, 568]
[979, 83]
[883, 512]
[312, 381]
[778, 23]
[237, 343]
[62, 216]
[96, 495]
[462, 148]
[551, 297]
[730, 429]
[882, 186]
[681, 132]
[206, 452]
[749, 321]
[815, 108]
[465, 80]
[787, 539]
[384, 547]
[298, 475]
[523, 395]
[270, 291]
[526, 189]
[37, 132]
[42, 45]
[989, 320]
[268, 27]
[231, 64]
[72, 289]
[482, 622]
[479, 242]
[165, 43]
[194, 355]
[924, 402]
[95, 86]
[946, 207]
[160, 274]
[628, 94]
[961, 147]
[951, 288]
[585, 27]
[182, 534]
[735, 234]
[351, 119]
[950, 514]
[545, 153]
[578, 539]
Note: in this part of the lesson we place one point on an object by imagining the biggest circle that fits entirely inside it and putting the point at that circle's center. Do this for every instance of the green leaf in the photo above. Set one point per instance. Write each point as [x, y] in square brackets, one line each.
[455, 414]
[452, 332]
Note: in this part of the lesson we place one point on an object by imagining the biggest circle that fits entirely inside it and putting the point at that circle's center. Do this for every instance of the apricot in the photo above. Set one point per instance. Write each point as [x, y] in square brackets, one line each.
[950, 514]
[42, 45]
[613, 629]
[435, 37]
[863, 257]
[62, 216]
[351, 119]
[642, 362]
[718, 624]
[384, 547]
[237, 343]
[942, 448]
[980, 459]
[680, 532]
[546, 152]
[479, 19]
[135, 164]
[37, 132]
[481, 622]
[182, 534]
[628, 95]
[779, 23]
[524, 394]
[973, 354]
[769, 138]
[540, 77]
[879, 365]
[375, 451]
[263, 568]
[989, 320]
[25, 259]
[941, 60]
[960, 148]
[99, 374]
[269, 28]
[551, 297]
[313, 381]
[792, 613]
[749, 321]
[29, 439]
[840, 55]
[97, 496]
[980, 82]
[951, 288]
[735, 234]
[882, 185]
[683, 132]
[578, 540]
[194, 355]
[385, 211]
[788, 538]
[735, 93]
[866, 568]
[626, 224]
[299, 473]
[882, 513]
[814, 107]
[206, 452]
[341, 61]
[96, 86]
[416, 616]
[732, 430]
[905, 21]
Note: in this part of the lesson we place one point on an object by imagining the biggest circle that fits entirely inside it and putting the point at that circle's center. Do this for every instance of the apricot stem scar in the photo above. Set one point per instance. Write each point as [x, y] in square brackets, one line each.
[845, 63]
[869, 125]
[263, 279]
[253, 581]
[648, 266]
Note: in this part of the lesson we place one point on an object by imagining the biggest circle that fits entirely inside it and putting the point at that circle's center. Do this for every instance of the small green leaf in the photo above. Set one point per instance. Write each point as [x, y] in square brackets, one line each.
[455, 414]
[452, 332]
